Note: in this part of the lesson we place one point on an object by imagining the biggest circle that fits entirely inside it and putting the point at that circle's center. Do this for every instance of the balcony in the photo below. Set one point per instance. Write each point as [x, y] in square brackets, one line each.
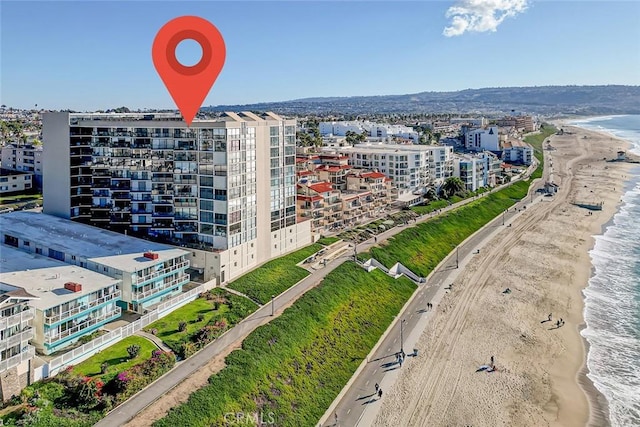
[137, 296]
[159, 273]
[49, 339]
[66, 314]
[17, 359]
[16, 319]
[16, 339]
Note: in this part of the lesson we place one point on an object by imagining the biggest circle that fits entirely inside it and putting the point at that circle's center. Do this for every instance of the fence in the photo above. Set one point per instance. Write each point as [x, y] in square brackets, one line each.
[87, 350]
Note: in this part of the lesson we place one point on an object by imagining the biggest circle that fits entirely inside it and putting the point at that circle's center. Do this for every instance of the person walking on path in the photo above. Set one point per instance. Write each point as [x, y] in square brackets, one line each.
[380, 394]
[377, 387]
[335, 417]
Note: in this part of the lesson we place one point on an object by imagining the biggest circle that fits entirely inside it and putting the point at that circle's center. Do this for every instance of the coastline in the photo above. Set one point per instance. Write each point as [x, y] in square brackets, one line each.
[544, 370]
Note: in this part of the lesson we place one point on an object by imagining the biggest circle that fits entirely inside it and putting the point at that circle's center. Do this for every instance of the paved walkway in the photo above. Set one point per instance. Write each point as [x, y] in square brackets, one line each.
[154, 339]
[125, 412]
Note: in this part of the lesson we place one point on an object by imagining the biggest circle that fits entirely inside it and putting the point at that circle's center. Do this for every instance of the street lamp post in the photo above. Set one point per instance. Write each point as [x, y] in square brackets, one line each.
[457, 256]
[503, 212]
[272, 298]
[402, 336]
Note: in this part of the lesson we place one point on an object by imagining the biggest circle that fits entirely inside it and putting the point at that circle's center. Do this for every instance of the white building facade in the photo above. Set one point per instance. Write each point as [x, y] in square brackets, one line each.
[482, 139]
[24, 158]
[413, 168]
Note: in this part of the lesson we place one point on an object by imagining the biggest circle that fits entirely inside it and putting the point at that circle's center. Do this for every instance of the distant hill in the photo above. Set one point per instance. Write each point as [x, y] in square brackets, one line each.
[545, 100]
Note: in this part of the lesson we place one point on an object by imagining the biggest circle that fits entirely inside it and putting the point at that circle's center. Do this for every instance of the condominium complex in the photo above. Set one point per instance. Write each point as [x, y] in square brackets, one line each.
[67, 301]
[24, 158]
[15, 182]
[203, 186]
[371, 129]
[413, 168]
[147, 273]
[481, 139]
[16, 353]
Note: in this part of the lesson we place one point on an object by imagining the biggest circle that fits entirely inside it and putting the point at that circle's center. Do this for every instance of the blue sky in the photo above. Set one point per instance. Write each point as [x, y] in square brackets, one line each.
[88, 55]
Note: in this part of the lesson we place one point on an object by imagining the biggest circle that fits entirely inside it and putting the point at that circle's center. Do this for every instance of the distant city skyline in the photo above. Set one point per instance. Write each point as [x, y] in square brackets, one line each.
[97, 55]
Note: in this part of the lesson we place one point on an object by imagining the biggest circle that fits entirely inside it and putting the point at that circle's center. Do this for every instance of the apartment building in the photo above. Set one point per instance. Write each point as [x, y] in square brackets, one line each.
[413, 168]
[482, 139]
[15, 182]
[364, 197]
[374, 130]
[475, 121]
[518, 121]
[24, 158]
[517, 152]
[66, 301]
[147, 273]
[16, 354]
[202, 186]
[472, 172]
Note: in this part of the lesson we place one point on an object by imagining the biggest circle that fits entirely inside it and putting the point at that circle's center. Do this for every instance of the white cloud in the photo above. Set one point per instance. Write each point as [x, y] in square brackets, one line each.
[481, 15]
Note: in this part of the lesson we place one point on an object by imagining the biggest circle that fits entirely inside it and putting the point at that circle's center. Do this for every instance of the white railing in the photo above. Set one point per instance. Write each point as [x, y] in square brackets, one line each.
[158, 273]
[137, 296]
[65, 314]
[54, 338]
[16, 339]
[17, 319]
[87, 350]
[17, 359]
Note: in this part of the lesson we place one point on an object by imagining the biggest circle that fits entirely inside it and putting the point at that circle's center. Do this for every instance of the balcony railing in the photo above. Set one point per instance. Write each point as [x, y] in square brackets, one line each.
[84, 325]
[17, 359]
[16, 339]
[159, 273]
[16, 319]
[75, 310]
[137, 296]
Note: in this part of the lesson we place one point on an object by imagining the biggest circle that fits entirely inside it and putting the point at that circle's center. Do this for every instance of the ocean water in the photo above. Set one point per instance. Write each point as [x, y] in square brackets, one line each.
[612, 297]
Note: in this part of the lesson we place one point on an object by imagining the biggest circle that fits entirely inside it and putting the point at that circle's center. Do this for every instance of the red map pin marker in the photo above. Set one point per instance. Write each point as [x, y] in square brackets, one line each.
[188, 86]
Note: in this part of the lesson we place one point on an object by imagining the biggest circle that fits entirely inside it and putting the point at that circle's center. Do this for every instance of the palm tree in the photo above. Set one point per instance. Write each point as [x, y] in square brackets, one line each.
[452, 185]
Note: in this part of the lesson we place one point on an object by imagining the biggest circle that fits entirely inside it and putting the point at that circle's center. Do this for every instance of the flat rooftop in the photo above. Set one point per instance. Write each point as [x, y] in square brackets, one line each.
[44, 277]
[135, 261]
[83, 240]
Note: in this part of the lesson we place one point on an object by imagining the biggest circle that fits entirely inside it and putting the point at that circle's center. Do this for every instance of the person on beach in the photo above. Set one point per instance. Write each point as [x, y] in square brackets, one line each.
[557, 323]
[549, 318]
[491, 360]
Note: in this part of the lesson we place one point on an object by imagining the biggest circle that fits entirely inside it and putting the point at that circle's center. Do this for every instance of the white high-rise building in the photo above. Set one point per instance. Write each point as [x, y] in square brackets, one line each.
[204, 186]
[413, 168]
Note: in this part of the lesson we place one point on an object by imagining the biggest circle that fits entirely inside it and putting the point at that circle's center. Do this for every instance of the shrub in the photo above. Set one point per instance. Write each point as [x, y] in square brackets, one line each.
[200, 317]
[103, 368]
[182, 326]
[133, 351]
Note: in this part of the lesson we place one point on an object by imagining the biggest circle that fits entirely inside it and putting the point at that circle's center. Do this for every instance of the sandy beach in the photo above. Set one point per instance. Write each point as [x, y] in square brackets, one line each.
[543, 259]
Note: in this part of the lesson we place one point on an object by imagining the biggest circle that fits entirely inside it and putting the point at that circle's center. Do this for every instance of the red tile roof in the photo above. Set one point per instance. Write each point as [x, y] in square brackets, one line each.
[321, 187]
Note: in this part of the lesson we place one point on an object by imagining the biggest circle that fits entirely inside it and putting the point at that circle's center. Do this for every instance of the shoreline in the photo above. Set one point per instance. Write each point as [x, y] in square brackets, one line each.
[544, 258]
[599, 410]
